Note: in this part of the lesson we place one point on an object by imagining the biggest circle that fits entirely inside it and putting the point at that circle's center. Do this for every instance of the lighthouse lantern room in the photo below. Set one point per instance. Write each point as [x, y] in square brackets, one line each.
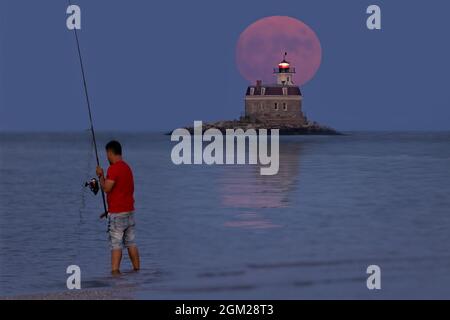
[284, 72]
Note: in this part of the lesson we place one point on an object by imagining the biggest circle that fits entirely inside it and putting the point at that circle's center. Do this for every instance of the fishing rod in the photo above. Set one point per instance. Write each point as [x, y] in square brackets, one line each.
[93, 184]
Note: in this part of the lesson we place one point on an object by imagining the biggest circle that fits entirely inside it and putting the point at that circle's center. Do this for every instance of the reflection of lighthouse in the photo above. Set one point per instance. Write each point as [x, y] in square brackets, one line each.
[246, 192]
[279, 103]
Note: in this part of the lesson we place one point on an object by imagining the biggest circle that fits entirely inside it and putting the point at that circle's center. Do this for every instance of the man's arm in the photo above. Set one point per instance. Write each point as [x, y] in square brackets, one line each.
[106, 184]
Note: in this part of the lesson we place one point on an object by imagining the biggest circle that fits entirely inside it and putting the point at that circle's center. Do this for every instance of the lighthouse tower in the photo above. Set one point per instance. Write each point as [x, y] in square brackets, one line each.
[278, 103]
[284, 72]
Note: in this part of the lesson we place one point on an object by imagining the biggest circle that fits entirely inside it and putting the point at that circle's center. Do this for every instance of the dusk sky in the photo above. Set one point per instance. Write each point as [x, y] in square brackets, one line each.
[159, 65]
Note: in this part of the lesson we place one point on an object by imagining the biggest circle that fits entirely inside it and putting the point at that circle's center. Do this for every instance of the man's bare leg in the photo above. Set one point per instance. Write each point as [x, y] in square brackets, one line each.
[133, 253]
[116, 257]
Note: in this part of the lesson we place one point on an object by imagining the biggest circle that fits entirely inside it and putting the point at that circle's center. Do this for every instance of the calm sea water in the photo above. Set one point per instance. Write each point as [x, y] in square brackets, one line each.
[338, 204]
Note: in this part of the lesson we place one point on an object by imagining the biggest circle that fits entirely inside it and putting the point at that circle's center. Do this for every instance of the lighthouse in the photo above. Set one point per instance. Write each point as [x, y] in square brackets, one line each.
[272, 106]
[275, 104]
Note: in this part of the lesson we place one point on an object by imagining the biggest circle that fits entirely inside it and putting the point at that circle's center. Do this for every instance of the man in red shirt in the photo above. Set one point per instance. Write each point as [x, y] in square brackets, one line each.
[119, 188]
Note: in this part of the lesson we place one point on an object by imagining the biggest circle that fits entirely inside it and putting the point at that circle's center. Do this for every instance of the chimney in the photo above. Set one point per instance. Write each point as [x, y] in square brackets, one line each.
[258, 83]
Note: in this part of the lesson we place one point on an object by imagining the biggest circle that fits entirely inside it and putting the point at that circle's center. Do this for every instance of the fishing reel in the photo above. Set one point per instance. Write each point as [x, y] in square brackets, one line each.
[93, 185]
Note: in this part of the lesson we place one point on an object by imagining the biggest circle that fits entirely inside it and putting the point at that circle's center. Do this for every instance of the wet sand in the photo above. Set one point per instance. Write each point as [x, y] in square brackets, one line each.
[83, 294]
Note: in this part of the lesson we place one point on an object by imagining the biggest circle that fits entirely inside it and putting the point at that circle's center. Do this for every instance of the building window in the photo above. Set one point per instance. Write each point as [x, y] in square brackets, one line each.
[285, 91]
[252, 91]
[276, 105]
[284, 106]
[263, 91]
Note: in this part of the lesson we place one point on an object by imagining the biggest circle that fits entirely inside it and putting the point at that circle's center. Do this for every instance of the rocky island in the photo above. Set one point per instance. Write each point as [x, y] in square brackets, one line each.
[309, 128]
[274, 106]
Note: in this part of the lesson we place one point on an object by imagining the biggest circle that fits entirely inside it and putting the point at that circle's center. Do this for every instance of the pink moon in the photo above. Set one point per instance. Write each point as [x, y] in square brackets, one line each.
[262, 44]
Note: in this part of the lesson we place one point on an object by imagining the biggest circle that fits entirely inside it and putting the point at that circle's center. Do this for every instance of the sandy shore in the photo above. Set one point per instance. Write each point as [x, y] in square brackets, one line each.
[84, 294]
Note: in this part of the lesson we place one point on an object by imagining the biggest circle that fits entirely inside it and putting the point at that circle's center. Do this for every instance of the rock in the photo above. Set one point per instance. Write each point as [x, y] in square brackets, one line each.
[309, 128]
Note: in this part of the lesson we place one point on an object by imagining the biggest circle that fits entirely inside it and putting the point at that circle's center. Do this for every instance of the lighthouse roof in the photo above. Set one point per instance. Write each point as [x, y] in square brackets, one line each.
[274, 90]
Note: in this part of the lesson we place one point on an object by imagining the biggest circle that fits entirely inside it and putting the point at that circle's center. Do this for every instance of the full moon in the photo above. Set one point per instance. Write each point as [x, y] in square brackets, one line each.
[262, 44]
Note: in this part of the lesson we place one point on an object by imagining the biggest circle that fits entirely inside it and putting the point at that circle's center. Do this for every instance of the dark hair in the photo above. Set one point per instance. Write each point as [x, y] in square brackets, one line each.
[115, 147]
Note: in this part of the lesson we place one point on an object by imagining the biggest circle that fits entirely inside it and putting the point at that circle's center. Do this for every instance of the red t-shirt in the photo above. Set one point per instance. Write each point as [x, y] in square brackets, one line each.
[120, 198]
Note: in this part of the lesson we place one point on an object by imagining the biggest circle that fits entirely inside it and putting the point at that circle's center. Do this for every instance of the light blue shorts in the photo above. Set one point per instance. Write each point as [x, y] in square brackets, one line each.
[121, 230]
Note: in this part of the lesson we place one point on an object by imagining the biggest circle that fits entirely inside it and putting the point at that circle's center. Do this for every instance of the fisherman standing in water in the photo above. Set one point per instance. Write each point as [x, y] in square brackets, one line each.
[119, 188]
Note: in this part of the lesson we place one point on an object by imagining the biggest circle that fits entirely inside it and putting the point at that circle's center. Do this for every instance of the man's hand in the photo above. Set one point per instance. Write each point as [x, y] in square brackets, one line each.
[105, 184]
[99, 171]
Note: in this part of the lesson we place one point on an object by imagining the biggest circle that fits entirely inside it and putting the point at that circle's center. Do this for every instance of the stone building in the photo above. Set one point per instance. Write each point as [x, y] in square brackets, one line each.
[279, 103]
